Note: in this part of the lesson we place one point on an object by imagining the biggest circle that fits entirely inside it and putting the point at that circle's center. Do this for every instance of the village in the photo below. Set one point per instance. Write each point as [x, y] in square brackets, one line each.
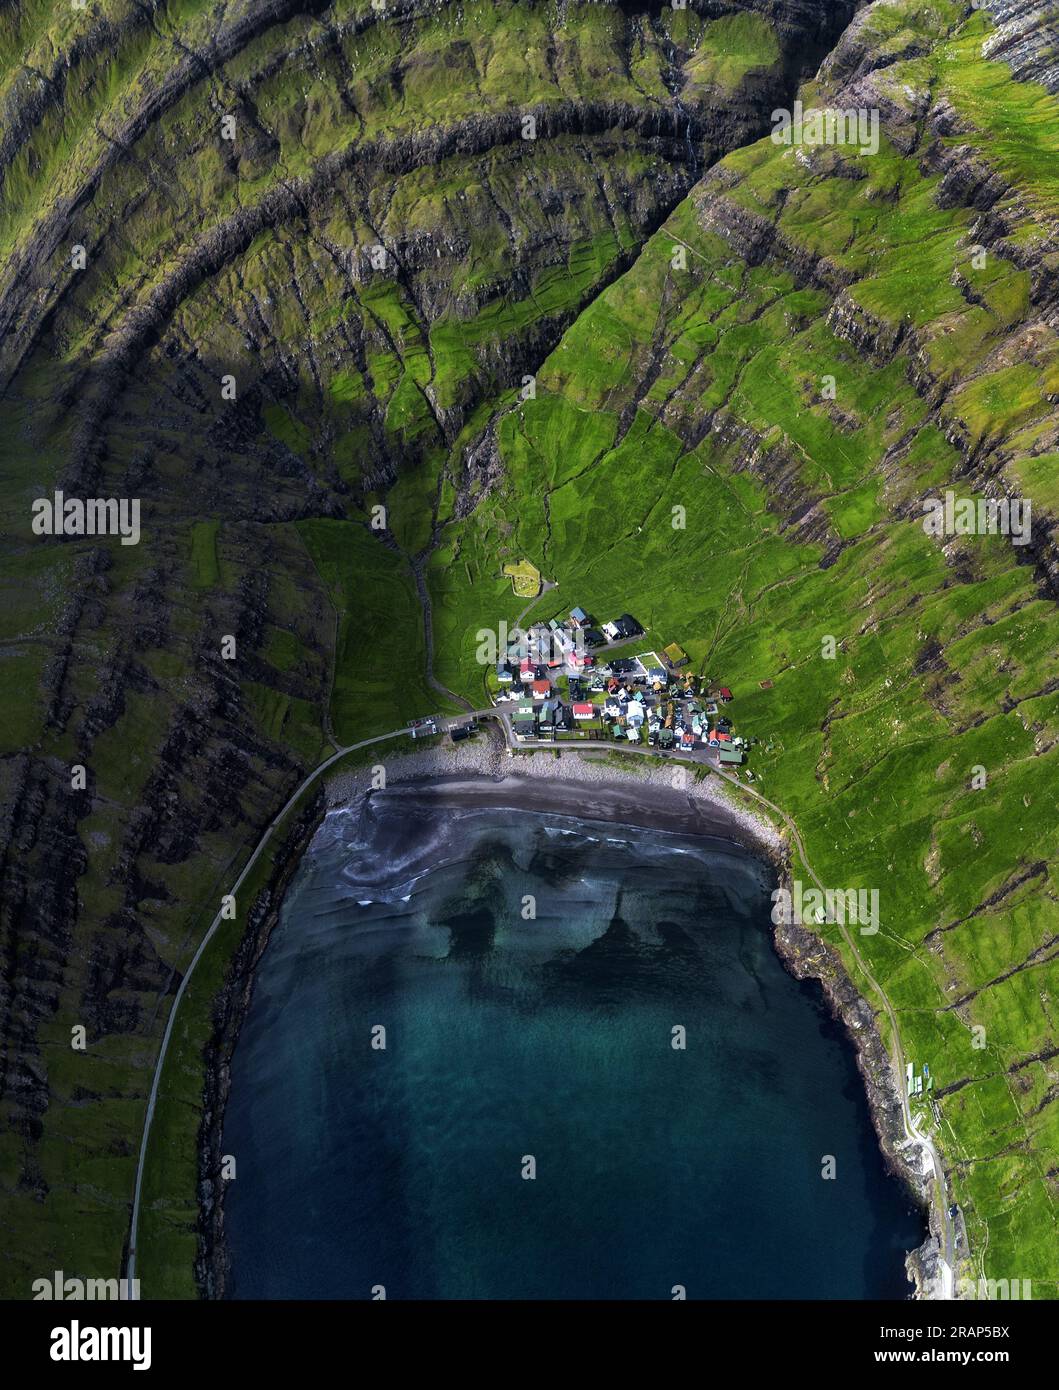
[576, 681]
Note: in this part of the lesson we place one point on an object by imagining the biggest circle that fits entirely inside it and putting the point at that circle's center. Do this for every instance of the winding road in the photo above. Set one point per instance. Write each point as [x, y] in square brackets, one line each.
[153, 1097]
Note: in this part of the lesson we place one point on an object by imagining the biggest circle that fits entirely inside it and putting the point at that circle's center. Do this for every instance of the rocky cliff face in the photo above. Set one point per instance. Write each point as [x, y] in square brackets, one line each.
[1025, 39]
[269, 272]
[822, 339]
[260, 271]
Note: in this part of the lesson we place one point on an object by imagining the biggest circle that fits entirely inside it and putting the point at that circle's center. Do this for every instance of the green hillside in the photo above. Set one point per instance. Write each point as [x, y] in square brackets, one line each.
[480, 282]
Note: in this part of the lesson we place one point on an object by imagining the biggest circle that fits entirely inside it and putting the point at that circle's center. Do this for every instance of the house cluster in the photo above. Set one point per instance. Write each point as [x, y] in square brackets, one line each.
[563, 681]
[671, 714]
[562, 648]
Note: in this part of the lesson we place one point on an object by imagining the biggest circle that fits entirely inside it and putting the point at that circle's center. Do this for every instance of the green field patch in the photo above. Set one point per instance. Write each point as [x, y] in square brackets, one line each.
[206, 570]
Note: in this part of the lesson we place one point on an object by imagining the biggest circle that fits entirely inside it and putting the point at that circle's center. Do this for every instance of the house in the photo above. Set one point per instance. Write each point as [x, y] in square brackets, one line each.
[463, 731]
[657, 676]
[687, 739]
[541, 689]
[675, 655]
[503, 673]
[626, 626]
[731, 755]
[725, 693]
[612, 707]
[555, 715]
[579, 617]
[592, 637]
[666, 738]
[524, 726]
[635, 713]
[584, 711]
[525, 670]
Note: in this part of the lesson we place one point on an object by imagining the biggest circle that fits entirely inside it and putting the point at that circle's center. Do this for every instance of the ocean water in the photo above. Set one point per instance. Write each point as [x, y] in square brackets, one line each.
[512, 1036]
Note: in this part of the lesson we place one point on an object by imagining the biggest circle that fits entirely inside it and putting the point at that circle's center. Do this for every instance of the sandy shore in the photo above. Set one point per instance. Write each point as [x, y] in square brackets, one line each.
[480, 773]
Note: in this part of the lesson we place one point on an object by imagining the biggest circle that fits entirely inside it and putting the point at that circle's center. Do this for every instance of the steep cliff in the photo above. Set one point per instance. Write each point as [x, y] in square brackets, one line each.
[271, 267]
[266, 266]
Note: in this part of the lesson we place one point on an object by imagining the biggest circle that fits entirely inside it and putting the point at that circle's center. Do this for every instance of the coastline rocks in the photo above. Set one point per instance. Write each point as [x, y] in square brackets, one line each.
[807, 956]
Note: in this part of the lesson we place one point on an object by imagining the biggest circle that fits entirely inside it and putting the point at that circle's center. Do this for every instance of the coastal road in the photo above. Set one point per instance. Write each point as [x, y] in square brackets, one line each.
[153, 1097]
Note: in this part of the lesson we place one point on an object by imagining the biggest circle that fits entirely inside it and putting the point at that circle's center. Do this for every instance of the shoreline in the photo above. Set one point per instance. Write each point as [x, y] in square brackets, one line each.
[480, 774]
[586, 785]
[212, 1262]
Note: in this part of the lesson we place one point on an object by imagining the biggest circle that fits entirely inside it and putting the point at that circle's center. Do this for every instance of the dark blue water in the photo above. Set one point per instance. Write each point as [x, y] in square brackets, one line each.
[551, 1038]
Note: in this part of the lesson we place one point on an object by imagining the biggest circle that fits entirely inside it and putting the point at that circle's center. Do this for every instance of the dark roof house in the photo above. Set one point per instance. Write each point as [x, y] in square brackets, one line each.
[627, 626]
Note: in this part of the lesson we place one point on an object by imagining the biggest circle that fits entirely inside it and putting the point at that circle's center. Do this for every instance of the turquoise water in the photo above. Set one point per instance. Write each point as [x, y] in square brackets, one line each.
[548, 1037]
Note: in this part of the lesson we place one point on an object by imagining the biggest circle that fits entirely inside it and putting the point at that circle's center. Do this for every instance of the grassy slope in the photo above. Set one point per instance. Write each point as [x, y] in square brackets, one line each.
[357, 387]
[872, 751]
[946, 659]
